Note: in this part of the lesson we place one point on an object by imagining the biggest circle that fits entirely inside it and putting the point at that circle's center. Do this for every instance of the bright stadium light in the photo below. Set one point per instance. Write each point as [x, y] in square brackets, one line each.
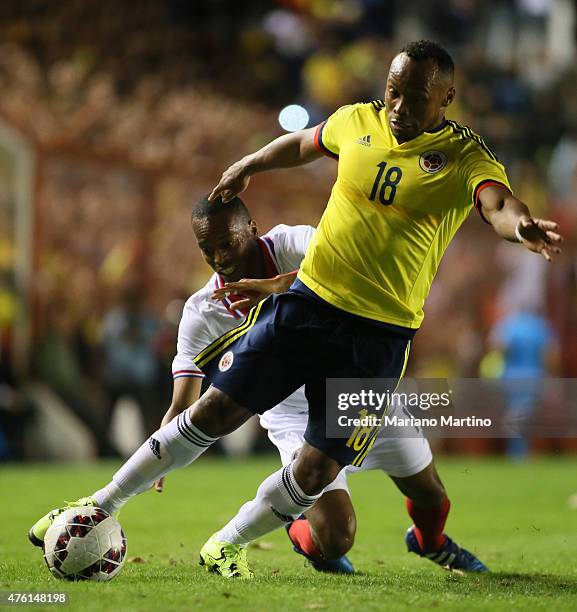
[293, 117]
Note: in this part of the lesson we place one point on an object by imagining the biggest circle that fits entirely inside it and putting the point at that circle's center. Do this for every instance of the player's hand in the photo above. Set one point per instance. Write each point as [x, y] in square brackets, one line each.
[252, 290]
[233, 181]
[159, 485]
[540, 236]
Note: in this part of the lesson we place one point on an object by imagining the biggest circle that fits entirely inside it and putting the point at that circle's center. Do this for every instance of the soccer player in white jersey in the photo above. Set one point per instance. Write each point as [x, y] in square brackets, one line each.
[228, 239]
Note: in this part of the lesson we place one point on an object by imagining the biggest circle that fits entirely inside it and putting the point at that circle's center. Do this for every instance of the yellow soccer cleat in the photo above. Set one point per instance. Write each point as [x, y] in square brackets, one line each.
[225, 559]
[38, 530]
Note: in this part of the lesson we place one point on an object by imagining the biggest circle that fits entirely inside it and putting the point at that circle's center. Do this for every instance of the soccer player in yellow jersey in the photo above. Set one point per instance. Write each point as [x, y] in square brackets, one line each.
[407, 178]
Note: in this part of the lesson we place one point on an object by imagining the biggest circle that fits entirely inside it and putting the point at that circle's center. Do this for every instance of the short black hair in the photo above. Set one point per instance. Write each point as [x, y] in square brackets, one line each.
[235, 207]
[420, 50]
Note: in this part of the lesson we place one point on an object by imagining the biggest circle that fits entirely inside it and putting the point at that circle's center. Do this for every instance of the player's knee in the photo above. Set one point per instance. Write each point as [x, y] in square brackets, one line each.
[313, 470]
[216, 414]
[312, 479]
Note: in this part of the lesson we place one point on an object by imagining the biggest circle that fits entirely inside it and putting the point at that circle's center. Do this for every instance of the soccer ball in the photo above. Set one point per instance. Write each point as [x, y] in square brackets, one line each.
[85, 543]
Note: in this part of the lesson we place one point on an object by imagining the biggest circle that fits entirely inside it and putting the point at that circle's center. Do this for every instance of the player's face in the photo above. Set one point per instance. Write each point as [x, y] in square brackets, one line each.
[416, 97]
[228, 245]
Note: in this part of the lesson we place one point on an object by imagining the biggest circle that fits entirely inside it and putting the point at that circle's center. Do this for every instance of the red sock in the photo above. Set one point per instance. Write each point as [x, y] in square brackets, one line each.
[429, 524]
[301, 535]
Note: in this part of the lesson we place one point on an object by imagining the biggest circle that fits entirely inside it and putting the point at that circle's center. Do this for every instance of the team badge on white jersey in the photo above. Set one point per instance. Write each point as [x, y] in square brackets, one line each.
[432, 161]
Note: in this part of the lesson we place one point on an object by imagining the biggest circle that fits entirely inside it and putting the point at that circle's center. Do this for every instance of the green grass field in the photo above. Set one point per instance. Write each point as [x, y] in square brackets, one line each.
[515, 517]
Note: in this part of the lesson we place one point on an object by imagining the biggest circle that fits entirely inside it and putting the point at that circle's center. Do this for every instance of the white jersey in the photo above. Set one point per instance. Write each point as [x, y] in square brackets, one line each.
[204, 320]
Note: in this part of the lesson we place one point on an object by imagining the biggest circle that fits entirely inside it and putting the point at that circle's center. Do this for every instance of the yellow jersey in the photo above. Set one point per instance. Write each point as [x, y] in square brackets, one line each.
[392, 212]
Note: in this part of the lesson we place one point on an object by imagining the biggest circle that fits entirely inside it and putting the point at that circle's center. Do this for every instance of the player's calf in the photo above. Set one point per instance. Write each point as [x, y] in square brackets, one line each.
[301, 537]
[334, 543]
[333, 524]
[428, 506]
[425, 489]
[326, 533]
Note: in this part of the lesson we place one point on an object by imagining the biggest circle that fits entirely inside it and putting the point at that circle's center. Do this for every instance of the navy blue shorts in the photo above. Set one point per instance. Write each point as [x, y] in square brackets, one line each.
[294, 339]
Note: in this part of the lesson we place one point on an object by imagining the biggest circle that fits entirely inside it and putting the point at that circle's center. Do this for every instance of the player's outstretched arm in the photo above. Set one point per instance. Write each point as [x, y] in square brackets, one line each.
[512, 220]
[184, 393]
[254, 290]
[287, 151]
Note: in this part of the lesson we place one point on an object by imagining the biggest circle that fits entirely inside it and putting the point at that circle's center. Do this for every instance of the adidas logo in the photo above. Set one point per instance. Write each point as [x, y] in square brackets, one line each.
[364, 140]
[285, 518]
[155, 447]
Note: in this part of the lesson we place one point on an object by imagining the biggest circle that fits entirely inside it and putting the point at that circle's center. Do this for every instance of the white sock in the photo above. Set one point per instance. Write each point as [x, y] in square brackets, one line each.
[278, 501]
[172, 446]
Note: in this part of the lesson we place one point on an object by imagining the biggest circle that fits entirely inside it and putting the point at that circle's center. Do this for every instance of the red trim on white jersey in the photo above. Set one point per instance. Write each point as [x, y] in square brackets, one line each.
[269, 256]
[237, 314]
[187, 374]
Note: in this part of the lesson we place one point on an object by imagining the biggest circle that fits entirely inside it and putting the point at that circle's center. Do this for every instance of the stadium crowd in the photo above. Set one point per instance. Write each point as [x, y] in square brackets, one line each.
[133, 113]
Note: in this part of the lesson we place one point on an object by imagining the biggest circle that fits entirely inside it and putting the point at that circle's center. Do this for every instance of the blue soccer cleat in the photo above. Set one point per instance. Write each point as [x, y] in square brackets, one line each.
[450, 556]
[342, 565]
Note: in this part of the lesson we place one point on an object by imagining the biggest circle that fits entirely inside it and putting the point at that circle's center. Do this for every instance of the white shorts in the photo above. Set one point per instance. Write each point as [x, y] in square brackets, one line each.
[398, 457]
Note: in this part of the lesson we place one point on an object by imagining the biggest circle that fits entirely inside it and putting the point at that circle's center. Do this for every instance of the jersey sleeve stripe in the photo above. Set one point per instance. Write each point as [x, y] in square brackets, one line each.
[189, 375]
[270, 243]
[466, 132]
[267, 247]
[318, 140]
[480, 186]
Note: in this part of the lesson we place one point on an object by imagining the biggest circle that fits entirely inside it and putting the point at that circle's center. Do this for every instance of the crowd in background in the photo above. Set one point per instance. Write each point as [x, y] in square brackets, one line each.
[133, 114]
[180, 84]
